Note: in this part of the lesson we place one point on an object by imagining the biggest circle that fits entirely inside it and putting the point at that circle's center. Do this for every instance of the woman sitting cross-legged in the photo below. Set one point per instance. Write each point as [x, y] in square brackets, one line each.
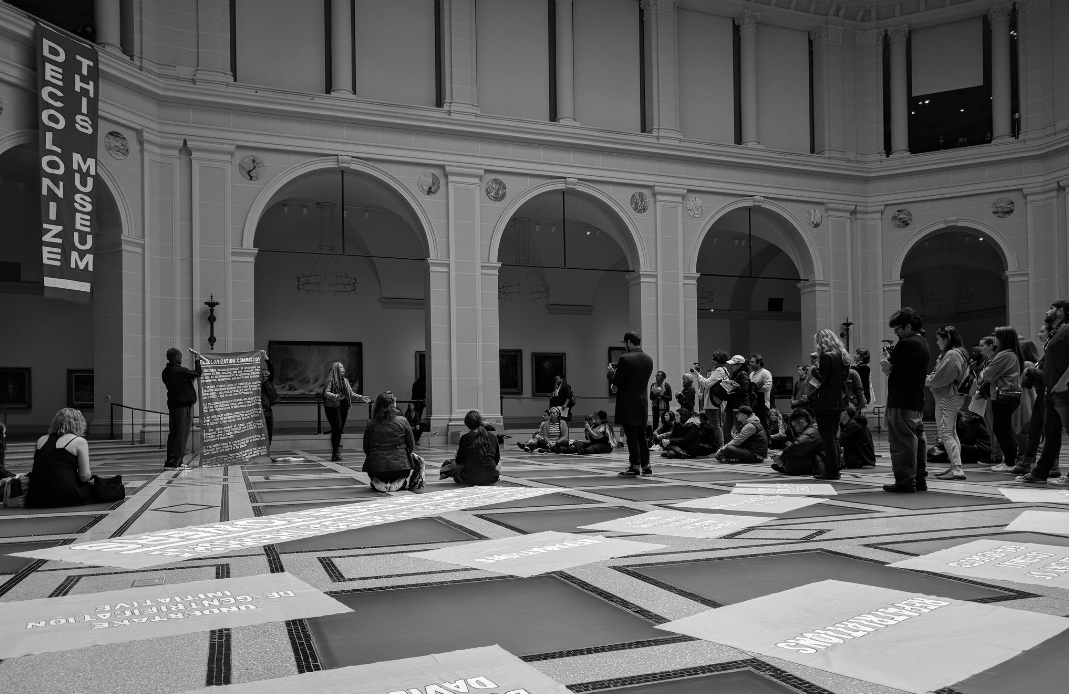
[749, 443]
[665, 430]
[478, 455]
[599, 437]
[60, 474]
[552, 431]
[687, 442]
[388, 444]
[804, 454]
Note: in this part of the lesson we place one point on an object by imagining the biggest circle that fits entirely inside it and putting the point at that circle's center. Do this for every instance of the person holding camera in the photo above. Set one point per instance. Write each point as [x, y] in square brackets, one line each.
[906, 367]
[631, 376]
[716, 387]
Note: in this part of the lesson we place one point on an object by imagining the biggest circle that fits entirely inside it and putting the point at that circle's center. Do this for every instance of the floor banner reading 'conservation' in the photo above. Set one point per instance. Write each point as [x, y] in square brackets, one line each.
[486, 670]
[917, 643]
[679, 524]
[232, 420]
[48, 625]
[197, 541]
[1009, 560]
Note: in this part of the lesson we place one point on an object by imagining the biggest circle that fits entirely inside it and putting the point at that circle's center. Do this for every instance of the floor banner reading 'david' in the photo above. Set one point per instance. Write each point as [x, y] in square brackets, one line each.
[917, 643]
[487, 670]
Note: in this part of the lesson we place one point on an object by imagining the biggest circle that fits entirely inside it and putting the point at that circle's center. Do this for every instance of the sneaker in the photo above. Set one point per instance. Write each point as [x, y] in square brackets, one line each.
[1002, 467]
[1020, 470]
[523, 447]
[630, 472]
[897, 489]
[1054, 473]
[836, 476]
[647, 470]
[1030, 479]
[922, 485]
[1059, 482]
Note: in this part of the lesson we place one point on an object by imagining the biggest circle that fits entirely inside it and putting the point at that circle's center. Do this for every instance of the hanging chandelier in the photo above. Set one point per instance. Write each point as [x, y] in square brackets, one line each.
[327, 274]
[520, 282]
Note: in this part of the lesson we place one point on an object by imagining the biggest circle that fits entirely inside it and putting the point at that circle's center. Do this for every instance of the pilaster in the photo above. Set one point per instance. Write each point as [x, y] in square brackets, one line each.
[898, 36]
[660, 45]
[999, 18]
[828, 105]
[459, 63]
[671, 318]
[747, 23]
[213, 42]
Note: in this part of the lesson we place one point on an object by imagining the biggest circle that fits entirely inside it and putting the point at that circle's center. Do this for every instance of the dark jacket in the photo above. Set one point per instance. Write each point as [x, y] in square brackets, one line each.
[179, 382]
[632, 380]
[689, 439]
[479, 470]
[268, 394]
[387, 445]
[807, 448]
[909, 369]
[832, 373]
[856, 440]
[685, 397]
[1056, 356]
[855, 390]
[972, 431]
[663, 401]
[741, 395]
[561, 398]
[751, 436]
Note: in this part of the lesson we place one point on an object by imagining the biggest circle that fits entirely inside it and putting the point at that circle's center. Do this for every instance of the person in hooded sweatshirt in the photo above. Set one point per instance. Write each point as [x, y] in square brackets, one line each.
[749, 442]
[856, 439]
[804, 455]
[687, 444]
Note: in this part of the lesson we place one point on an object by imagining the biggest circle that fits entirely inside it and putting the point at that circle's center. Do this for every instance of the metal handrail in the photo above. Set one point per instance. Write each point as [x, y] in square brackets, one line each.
[122, 423]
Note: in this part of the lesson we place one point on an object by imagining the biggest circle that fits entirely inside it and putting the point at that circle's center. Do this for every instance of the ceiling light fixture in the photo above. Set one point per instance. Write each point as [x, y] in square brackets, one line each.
[520, 282]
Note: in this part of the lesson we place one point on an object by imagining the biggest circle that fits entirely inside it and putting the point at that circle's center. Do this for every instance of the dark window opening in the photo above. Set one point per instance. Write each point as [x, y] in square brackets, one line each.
[329, 72]
[439, 99]
[886, 95]
[1015, 78]
[812, 118]
[736, 77]
[69, 15]
[642, 69]
[552, 4]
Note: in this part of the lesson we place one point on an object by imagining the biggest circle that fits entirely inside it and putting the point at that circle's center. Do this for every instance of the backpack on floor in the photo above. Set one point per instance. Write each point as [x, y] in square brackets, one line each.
[14, 490]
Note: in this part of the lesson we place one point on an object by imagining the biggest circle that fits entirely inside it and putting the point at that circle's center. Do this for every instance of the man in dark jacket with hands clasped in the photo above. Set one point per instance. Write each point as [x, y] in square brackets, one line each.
[631, 376]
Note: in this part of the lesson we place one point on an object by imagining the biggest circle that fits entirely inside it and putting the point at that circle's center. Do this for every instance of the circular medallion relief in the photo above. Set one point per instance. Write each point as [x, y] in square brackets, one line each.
[428, 183]
[251, 167]
[815, 217]
[640, 202]
[496, 189]
[693, 205]
[902, 218]
[1002, 208]
[117, 145]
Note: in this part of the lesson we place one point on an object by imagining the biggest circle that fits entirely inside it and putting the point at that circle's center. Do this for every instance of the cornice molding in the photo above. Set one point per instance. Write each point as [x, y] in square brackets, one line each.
[1034, 6]
[827, 33]
[660, 5]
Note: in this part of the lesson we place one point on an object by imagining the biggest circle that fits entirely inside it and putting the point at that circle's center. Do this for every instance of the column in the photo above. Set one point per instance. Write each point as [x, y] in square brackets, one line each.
[212, 237]
[868, 51]
[659, 45]
[839, 268]
[459, 63]
[341, 47]
[747, 23]
[816, 311]
[565, 64]
[690, 322]
[642, 295]
[106, 14]
[869, 318]
[439, 347]
[213, 42]
[1046, 254]
[671, 316]
[1019, 311]
[828, 112]
[1000, 71]
[899, 91]
[490, 392]
[1038, 41]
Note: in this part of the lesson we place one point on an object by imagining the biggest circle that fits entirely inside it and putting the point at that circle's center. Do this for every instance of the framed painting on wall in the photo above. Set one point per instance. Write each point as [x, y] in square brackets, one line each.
[510, 362]
[614, 356]
[421, 366]
[783, 386]
[15, 390]
[544, 368]
[301, 368]
[80, 390]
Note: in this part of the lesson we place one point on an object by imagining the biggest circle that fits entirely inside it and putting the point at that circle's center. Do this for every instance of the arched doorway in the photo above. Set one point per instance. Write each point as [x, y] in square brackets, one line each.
[748, 296]
[59, 342]
[956, 276]
[341, 271]
[565, 298]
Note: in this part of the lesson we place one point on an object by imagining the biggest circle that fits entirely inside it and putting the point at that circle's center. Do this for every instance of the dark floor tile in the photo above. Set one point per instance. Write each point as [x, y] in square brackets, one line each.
[43, 525]
[544, 500]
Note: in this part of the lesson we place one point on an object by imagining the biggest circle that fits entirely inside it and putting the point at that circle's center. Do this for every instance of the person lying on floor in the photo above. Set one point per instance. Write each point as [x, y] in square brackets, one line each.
[805, 454]
[687, 444]
[549, 433]
[599, 437]
[665, 430]
[856, 439]
[749, 443]
[388, 444]
[478, 455]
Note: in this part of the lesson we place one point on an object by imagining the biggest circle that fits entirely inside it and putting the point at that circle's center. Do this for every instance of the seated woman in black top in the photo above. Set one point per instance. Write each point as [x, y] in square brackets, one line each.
[60, 475]
[478, 455]
[686, 443]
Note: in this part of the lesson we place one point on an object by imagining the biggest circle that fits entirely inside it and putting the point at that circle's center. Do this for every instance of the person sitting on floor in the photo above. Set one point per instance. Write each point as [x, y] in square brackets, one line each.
[707, 434]
[4, 472]
[478, 455]
[665, 430]
[749, 443]
[856, 439]
[687, 442]
[388, 444]
[553, 430]
[599, 437]
[804, 455]
[974, 437]
[60, 474]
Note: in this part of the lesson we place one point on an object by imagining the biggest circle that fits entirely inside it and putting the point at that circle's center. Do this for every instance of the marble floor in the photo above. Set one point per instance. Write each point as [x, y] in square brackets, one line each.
[590, 627]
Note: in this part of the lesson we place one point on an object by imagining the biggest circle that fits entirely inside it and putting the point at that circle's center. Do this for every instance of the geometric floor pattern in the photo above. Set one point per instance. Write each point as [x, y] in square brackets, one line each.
[589, 627]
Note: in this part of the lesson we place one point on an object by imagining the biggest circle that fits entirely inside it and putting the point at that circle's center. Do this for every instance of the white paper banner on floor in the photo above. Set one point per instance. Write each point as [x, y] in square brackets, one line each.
[487, 670]
[679, 524]
[775, 489]
[758, 503]
[1023, 562]
[1050, 522]
[76, 621]
[197, 541]
[1041, 496]
[918, 643]
[531, 555]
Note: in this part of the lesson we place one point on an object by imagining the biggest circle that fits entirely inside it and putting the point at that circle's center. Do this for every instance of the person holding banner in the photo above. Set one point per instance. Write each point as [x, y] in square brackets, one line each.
[181, 396]
[338, 395]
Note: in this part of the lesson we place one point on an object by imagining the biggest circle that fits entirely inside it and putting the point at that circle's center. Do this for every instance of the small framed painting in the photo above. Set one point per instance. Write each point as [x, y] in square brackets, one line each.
[15, 390]
[510, 362]
[80, 393]
[544, 369]
[783, 386]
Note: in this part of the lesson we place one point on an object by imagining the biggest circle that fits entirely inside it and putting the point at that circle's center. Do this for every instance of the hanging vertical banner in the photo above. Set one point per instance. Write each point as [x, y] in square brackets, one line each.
[232, 419]
[68, 93]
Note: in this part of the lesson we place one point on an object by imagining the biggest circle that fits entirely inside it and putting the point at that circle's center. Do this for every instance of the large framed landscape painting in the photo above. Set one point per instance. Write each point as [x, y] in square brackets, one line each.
[301, 368]
[510, 362]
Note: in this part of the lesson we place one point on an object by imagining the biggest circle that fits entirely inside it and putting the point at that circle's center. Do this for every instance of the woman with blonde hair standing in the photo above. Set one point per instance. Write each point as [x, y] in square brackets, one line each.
[951, 368]
[338, 395]
[833, 367]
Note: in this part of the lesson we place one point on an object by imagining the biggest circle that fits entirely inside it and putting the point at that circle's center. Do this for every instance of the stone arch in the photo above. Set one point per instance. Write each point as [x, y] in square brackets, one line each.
[809, 264]
[1009, 258]
[634, 248]
[263, 200]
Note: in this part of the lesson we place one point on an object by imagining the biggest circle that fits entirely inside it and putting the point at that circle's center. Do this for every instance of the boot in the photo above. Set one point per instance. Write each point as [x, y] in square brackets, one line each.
[335, 456]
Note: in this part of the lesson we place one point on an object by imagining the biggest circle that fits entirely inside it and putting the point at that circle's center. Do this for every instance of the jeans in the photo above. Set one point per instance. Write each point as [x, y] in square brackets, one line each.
[946, 423]
[638, 453]
[1035, 426]
[761, 410]
[737, 454]
[828, 426]
[1002, 420]
[905, 434]
[716, 421]
[336, 417]
[1055, 418]
[180, 421]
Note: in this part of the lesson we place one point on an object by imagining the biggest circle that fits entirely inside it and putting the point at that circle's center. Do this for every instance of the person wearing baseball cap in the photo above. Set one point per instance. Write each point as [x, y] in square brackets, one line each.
[631, 376]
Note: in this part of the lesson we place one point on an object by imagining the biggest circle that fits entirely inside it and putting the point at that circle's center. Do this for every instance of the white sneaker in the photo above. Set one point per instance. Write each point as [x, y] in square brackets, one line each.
[1002, 467]
[1058, 482]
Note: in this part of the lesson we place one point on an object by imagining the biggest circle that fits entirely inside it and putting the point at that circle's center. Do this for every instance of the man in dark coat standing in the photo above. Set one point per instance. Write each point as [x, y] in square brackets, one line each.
[631, 376]
[181, 396]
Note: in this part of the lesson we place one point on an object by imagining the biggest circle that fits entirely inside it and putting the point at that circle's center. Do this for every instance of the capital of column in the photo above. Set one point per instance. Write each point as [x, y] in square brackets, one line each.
[747, 21]
[244, 255]
[660, 5]
[1041, 192]
[1018, 275]
[1000, 13]
[435, 265]
[463, 174]
[691, 278]
[893, 285]
[810, 286]
[839, 210]
[489, 268]
[641, 276]
[209, 150]
[870, 37]
[898, 34]
[827, 33]
[669, 193]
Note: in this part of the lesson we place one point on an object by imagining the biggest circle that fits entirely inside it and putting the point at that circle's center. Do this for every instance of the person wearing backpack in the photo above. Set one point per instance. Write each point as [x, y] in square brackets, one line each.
[951, 371]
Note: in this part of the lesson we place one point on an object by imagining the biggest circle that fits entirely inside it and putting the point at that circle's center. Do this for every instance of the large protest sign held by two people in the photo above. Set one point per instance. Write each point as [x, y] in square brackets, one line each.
[232, 420]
